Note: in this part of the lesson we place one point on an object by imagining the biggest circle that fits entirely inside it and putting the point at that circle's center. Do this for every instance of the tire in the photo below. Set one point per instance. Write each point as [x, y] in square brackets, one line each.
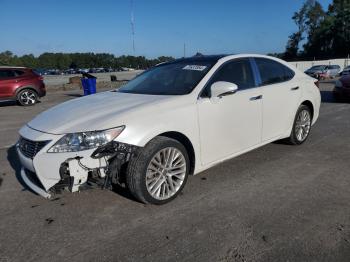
[301, 123]
[27, 97]
[144, 171]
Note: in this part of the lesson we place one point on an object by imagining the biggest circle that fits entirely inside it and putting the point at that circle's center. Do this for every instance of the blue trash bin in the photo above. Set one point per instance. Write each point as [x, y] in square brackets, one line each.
[89, 84]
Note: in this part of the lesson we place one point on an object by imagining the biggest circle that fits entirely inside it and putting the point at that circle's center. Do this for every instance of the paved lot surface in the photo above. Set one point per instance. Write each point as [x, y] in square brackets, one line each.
[277, 203]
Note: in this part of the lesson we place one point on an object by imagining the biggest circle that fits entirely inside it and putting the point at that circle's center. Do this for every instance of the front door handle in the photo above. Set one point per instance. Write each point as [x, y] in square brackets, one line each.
[255, 98]
[294, 88]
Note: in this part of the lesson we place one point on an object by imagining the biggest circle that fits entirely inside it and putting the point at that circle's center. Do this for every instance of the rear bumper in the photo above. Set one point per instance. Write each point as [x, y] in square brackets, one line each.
[42, 93]
[42, 90]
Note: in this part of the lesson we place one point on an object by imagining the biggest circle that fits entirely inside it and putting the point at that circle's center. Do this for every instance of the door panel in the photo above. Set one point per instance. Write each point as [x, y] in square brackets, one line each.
[6, 88]
[232, 123]
[229, 124]
[6, 83]
[279, 106]
[281, 97]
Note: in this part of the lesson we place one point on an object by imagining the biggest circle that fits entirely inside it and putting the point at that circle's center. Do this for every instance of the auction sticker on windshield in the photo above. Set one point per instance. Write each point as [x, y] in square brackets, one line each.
[194, 67]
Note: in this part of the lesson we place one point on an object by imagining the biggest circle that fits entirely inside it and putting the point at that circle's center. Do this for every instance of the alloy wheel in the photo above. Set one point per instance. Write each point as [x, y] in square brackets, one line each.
[165, 173]
[302, 125]
[27, 97]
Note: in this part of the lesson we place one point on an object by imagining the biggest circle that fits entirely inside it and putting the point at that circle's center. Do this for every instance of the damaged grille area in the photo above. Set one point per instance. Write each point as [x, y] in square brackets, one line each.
[30, 148]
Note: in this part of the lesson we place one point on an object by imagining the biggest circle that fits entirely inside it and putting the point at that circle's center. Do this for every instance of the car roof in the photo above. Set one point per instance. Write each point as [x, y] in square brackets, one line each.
[213, 59]
[216, 58]
[197, 58]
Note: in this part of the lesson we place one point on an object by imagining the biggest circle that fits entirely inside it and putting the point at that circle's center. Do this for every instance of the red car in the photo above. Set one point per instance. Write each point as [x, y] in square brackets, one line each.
[342, 88]
[21, 84]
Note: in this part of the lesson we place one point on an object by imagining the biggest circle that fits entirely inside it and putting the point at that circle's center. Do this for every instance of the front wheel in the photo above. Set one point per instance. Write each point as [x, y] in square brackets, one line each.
[302, 126]
[159, 172]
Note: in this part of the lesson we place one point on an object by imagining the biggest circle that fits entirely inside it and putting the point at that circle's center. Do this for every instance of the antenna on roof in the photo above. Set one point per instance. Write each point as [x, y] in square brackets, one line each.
[132, 25]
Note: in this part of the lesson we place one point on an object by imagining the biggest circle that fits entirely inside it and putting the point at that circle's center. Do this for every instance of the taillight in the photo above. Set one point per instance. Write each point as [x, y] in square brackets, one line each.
[41, 78]
[317, 83]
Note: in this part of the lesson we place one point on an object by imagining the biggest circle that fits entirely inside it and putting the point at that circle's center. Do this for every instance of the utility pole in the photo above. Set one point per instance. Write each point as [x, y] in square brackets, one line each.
[132, 26]
[184, 50]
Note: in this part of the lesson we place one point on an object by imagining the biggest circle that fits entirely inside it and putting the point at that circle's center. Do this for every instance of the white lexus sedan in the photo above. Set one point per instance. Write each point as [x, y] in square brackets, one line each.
[174, 120]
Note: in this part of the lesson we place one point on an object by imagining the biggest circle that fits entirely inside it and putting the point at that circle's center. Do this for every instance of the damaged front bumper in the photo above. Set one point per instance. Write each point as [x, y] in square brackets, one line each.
[49, 173]
[32, 182]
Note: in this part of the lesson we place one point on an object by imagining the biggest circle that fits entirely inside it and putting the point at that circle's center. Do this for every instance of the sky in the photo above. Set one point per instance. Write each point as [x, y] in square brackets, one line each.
[162, 27]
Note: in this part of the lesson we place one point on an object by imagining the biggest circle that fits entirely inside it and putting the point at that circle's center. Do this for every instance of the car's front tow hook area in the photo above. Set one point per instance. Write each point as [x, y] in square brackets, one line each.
[33, 186]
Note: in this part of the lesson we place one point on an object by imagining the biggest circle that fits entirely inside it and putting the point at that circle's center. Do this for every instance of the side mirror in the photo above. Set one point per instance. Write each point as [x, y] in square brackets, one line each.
[222, 88]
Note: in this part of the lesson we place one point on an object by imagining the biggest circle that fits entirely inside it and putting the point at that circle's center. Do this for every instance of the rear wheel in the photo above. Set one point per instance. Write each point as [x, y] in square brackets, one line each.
[27, 97]
[302, 126]
[159, 172]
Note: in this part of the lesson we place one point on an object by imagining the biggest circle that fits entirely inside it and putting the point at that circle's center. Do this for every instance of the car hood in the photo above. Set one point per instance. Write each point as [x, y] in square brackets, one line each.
[94, 112]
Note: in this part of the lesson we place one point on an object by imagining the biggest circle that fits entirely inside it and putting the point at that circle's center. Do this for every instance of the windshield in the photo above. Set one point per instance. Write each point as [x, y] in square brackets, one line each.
[169, 79]
[320, 67]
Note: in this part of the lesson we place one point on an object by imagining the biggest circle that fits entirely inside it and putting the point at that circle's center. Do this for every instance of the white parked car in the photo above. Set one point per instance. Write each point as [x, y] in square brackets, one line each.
[174, 120]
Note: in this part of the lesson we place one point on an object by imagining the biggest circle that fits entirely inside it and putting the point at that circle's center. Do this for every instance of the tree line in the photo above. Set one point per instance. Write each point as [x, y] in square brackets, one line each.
[64, 61]
[320, 34]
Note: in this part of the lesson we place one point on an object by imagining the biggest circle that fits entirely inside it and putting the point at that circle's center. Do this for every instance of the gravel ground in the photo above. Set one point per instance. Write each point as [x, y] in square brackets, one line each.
[277, 203]
[57, 80]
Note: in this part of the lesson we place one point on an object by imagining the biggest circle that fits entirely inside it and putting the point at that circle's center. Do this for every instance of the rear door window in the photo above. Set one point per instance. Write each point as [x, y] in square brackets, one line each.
[7, 74]
[19, 72]
[272, 72]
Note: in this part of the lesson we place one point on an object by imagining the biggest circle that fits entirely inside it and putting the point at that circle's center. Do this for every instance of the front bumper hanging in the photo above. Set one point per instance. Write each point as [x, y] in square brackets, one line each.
[76, 176]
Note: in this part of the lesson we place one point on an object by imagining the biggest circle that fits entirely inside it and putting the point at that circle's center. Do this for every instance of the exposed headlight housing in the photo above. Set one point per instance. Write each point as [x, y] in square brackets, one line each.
[85, 140]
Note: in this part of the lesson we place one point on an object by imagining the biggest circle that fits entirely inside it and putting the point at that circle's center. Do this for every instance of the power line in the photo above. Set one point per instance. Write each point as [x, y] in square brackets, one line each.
[132, 21]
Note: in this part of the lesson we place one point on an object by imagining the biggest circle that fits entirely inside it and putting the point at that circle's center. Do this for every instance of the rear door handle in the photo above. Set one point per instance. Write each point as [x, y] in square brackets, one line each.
[255, 98]
[294, 88]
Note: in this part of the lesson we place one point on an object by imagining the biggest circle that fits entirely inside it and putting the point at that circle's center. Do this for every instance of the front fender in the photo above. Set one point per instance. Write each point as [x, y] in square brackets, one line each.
[183, 120]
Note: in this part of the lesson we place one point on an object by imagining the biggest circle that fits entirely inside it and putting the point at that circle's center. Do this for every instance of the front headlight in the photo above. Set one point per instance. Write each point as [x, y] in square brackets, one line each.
[85, 140]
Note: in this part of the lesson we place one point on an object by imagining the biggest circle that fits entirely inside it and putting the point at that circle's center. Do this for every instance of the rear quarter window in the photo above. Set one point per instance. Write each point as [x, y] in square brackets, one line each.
[272, 72]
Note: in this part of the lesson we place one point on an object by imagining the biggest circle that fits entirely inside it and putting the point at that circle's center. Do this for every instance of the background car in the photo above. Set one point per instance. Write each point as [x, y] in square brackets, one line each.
[341, 89]
[315, 70]
[21, 84]
[71, 71]
[323, 71]
[333, 71]
[346, 71]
